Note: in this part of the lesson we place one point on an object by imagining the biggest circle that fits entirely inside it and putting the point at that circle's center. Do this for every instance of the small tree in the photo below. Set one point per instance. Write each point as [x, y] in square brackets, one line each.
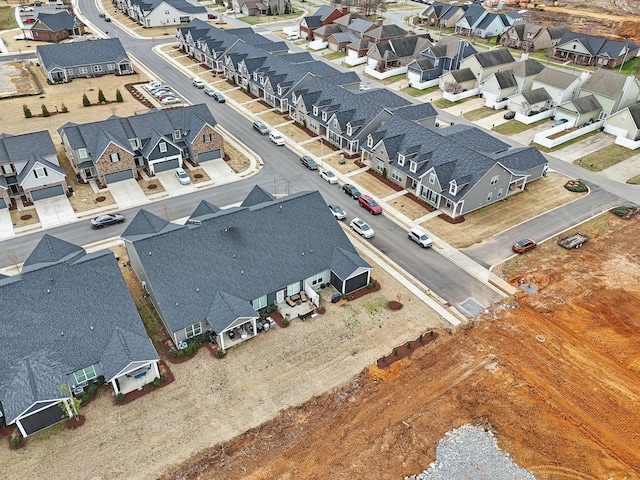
[63, 108]
[45, 111]
[101, 97]
[75, 403]
[85, 100]
[27, 111]
[119, 98]
[453, 87]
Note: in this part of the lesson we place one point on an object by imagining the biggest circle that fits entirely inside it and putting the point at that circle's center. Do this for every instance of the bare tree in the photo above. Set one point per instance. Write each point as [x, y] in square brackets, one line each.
[166, 211]
[452, 87]
[14, 259]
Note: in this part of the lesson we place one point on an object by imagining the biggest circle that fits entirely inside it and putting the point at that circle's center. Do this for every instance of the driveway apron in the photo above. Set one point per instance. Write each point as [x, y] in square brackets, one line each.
[55, 211]
[127, 194]
[6, 225]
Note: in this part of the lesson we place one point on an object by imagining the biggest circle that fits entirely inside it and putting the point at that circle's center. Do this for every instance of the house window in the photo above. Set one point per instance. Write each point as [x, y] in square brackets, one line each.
[293, 288]
[259, 303]
[279, 90]
[68, 71]
[370, 141]
[84, 375]
[8, 169]
[489, 195]
[317, 278]
[453, 188]
[166, 12]
[335, 124]
[396, 175]
[111, 67]
[40, 172]
[349, 130]
[413, 166]
[499, 193]
[401, 159]
[163, 147]
[193, 330]
[380, 166]
[97, 68]
[83, 70]
[206, 138]
[82, 152]
[324, 116]
[495, 179]
[432, 178]
[315, 110]
[133, 143]
[177, 135]
[114, 157]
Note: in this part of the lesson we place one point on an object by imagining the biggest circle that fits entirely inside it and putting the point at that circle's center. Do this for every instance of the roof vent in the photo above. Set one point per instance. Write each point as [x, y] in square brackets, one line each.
[234, 255]
[311, 250]
[197, 289]
[91, 327]
[62, 334]
[241, 272]
[149, 253]
[303, 254]
[48, 291]
[176, 304]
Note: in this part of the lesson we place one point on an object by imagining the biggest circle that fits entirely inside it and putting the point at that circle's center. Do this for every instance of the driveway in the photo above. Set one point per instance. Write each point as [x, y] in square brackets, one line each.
[55, 211]
[171, 184]
[127, 194]
[6, 225]
[219, 171]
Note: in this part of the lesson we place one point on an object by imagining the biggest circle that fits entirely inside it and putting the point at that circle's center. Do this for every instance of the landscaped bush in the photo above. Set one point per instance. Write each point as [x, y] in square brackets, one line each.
[27, 111]
[120, 397]
[63, 108]
[156, 381]
[85, 100]
[624, 210]
[576, 186]
[119, 98]
[101, 97]
[191, 348]
[45, 111]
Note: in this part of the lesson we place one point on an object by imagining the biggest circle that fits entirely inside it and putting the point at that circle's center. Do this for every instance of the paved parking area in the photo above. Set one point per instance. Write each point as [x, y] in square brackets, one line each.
[127, 194]
[55, 211]
[6, 225]
[219, 171]
[171, 184]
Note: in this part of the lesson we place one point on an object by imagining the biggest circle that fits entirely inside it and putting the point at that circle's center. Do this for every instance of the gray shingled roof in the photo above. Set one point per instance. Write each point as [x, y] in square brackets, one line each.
[492, 58]
[62, 317]
[55, 21]
[506, 79]
[148, 6]
[74, 54]
[227, 308]
[527, 67]
[600, 46]
[605, 82]
[255, 253]
[463, 75]
[19, 148]
[634, 110]
[536, 96]
[386, 31]
[586, 104]
[555, 78]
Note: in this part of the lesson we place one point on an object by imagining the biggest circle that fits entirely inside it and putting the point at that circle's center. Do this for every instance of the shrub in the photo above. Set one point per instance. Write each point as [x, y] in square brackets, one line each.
[285, 321]
[27, 111]
[431, 333]
[219, 352]
[156, 381]
[420, 338]
[384, 173]
[164, 377]
[623, 210]
[85, 100]
[191, 348]
[395, 352]
[173, 352]
[85, 397]
[119, 98]
[15, 440]
[576, 186]
[63, 108]
[92, 390]
[45, 111]
[101, 97]
[120, 397]
[409, 345]
[181, 354]
[384, 358]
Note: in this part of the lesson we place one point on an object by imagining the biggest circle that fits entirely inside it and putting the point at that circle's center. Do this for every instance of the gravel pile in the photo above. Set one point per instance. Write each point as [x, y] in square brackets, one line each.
[471, 453]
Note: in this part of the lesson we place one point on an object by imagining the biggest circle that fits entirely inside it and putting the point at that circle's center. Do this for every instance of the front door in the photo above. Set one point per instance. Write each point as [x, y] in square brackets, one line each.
[280, 296]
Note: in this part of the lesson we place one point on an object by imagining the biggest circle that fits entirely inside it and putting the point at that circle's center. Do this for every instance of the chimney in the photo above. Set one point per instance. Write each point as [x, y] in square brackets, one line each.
[345, 10]
[379, 21]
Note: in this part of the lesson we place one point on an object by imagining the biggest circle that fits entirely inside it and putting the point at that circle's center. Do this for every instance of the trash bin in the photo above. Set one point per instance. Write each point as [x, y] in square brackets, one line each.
[336, 298]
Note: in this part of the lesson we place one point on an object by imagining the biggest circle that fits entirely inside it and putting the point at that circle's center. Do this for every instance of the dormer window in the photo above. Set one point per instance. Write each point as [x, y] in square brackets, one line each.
[349, 130]
[262, 81]
[453, 188]
[324, 116]
[315, 110]
[401, 159]
[162, 147]
[370, 141]
[294, 99]
[177, 135]
[432, 178]
[82, 152]
[413, 166]
[279, 90]
[255, 75]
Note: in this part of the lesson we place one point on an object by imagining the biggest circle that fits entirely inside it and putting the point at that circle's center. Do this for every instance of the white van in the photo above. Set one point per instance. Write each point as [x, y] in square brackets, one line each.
[276, 137]
[420, 237]
[293, 36]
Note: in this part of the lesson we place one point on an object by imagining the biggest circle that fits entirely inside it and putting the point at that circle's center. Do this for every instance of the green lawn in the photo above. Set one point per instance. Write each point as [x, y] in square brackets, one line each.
[567, 143]
[479, 113]
[512, 127]
[605, 157]
[634, 180]
[630, 67]
[7, 19]
[389, 80]
[444, 103]
[334, 55]
[414, 92]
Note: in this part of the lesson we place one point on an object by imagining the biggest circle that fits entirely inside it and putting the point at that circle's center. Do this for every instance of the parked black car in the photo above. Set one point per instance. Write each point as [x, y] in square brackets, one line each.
[309, 162]
[509, 115]
[351, 190]
[106, 220]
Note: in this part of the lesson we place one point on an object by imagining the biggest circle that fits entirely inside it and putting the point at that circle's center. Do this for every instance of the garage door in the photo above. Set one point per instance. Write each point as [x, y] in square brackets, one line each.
[43, 419]
[3, 204]
[164, 166]
[206, 156]
[118, 176]
[48, 192]
[617, 131]
[356, 282]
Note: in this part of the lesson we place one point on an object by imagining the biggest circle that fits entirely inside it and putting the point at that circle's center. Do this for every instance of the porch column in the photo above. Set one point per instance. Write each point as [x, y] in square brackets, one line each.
[19, 425]
[221, 339]
[115, 386]
[255, 326]
[155, 369]
[70, 413]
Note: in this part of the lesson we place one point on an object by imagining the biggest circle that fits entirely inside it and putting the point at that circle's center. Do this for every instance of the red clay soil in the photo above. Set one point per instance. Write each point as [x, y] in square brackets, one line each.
[394, 305]
[73, 422]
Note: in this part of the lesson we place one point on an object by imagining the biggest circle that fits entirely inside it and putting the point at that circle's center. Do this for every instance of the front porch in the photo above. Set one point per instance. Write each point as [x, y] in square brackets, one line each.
[135, 379]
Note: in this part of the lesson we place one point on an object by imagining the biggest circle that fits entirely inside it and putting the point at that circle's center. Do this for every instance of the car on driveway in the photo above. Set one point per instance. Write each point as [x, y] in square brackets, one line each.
[337, 211]
[351, 190]
[106, 220]
[559, 122]
[26, 9]
[260, 127]
[329, 176]
[524, 245]
[309, 162]
[277, 138]
[509, 115]
[170, 100]
[361, 228]
[198, 83]
[211, 16]
[153, 85]
[182, 176]
[370, 204]
[29, 21]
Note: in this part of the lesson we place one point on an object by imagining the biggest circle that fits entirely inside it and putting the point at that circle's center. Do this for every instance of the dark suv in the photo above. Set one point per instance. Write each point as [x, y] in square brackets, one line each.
[350, 190]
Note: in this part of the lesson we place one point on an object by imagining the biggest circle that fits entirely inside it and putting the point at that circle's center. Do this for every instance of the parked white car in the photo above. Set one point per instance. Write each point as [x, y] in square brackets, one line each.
[276, 137]
[170, 100]
[361, 228]
[182, 176]
[153, 85]
[416, 234]
[329, 176]
[198, 83]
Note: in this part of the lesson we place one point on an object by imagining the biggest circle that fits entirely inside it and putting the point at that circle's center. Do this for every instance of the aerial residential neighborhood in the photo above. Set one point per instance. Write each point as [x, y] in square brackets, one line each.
[303, 240]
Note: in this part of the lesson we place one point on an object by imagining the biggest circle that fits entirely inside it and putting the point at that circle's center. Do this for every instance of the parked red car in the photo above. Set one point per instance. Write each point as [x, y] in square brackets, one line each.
[370, 204]
[30, 20]
[211, 16]
[524, 245]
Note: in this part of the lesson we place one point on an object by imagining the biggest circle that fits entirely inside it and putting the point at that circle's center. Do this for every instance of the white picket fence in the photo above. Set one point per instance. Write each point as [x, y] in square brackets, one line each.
[542, 137]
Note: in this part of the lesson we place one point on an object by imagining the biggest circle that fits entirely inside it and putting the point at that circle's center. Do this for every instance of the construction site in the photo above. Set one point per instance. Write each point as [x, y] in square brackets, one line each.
[553, 372]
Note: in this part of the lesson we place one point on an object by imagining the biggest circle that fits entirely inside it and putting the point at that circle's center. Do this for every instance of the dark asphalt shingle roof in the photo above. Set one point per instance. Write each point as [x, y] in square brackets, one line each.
[90, 52]
[56, 21]
[586, 104]
[62, 317]
[463, 75]
[605, 82]
[492, 58]
[555, 78]
[256, 252]
[536, 96]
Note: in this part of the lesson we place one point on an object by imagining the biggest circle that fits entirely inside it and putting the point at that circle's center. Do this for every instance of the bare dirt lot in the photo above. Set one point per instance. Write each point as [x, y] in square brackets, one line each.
[555, 375]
